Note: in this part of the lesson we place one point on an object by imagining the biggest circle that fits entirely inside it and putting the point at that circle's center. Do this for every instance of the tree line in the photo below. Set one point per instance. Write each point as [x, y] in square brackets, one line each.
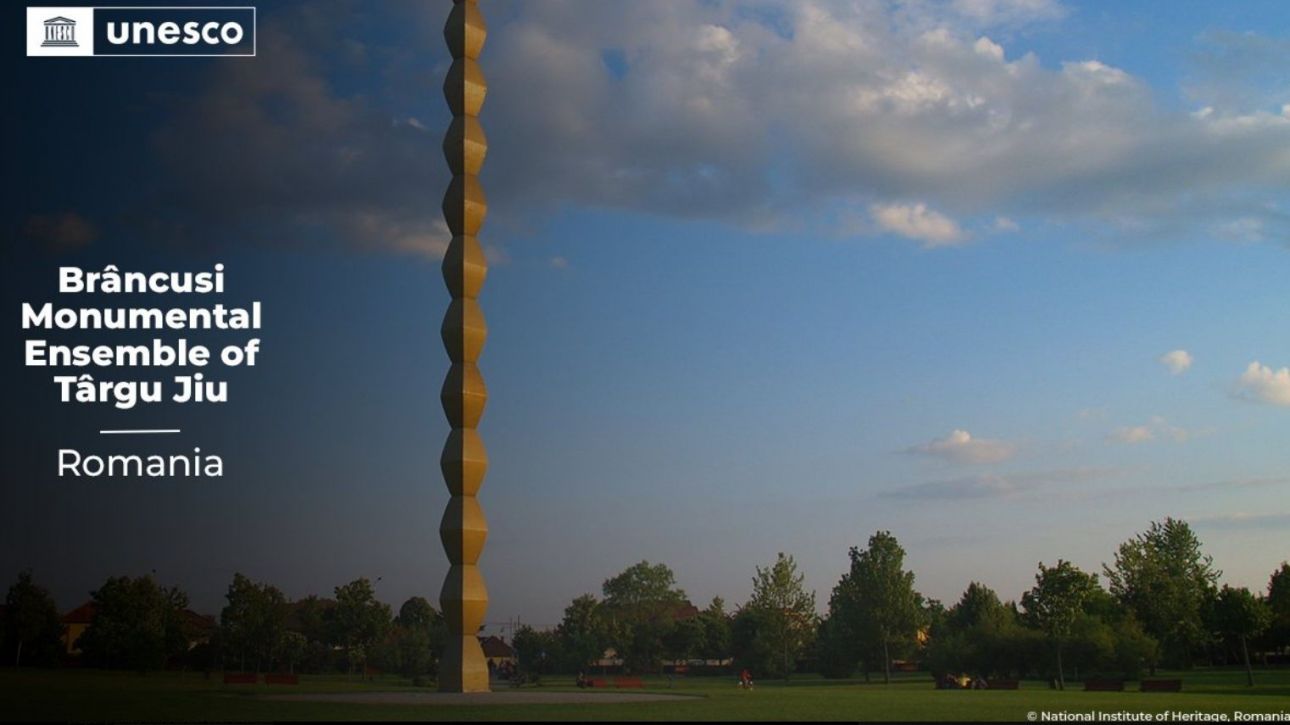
[140, 625]
[1158, 603]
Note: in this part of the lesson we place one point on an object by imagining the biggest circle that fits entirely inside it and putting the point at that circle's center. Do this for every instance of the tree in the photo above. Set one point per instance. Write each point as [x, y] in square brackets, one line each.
[1056, 602]
[137, 624]
[1165, 579]
[359, 619]
[834, 653]
[645, 586]
[313, 619]
[254, 620]
[684, 639]
[1278, 601]
[31, 623]
[640, 608]
[535, 651]
[417, 612]
[978, 605]
[977, 634]
[581, 633]
[875, 601]
[1090, 645]
[716, 631]
[1134, 648]
[291, 649]
[788, 618]
[1240, 616]
[750, 642]
[996, 645]
[409, 651]
[418, 638]
[931, 614]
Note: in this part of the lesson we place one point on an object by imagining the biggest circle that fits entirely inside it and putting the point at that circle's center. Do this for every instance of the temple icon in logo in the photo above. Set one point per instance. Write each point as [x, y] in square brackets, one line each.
[60, 32]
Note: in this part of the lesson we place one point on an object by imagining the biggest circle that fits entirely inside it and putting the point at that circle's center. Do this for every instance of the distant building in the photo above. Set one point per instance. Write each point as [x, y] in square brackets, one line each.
[684, 611]
[497, 651]
[75, 623]
[198, 628]
[609, 658]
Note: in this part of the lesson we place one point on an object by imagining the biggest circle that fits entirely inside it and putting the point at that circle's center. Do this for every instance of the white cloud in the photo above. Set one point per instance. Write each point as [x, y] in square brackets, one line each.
[874, 104]
[918, 222]
[1005, 225]
[1133, 435]
[286, 157]
[907, 111]
[1237, 483]
[1008, 12]
[1261, 383]
[1178, 361]
[1247, 230]
[373, 230]
[558, 262]
[1001, 485]
[412, 121]
[989, 48]
[1237, 70]
[1096, 73]
[1243, 521]
[961, 447]
[987, 486]
[1156, 428]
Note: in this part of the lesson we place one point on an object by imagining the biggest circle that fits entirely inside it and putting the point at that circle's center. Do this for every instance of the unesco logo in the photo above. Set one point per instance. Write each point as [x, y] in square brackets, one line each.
[60, 32]
[141, 31]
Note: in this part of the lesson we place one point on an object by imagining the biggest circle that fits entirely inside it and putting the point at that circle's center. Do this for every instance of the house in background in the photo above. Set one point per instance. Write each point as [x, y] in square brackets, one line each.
[198, 628]
[497, 651]
[75, 623]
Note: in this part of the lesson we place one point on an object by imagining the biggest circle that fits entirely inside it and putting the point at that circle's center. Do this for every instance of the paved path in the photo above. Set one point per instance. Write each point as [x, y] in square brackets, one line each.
[521, 697]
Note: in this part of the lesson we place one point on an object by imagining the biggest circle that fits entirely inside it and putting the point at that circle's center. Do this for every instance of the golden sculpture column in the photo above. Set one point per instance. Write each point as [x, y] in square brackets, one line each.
[463, 530]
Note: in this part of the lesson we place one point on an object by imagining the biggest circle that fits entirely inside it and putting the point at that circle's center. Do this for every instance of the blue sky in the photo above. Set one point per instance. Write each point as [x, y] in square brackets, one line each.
[765, 278]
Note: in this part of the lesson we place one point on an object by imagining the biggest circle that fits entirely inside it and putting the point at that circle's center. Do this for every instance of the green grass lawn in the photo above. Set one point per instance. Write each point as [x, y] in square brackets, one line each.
[97, 695]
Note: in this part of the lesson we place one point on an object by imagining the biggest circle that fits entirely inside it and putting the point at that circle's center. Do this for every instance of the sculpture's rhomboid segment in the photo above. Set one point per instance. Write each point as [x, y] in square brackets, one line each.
[463, 529]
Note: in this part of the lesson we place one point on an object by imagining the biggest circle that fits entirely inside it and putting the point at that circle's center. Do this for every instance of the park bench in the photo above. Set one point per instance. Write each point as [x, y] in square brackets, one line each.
[281, 679]
[1003, 684]
[1161, 686]
[621, 682]
[240, 678]
[1103, 685]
